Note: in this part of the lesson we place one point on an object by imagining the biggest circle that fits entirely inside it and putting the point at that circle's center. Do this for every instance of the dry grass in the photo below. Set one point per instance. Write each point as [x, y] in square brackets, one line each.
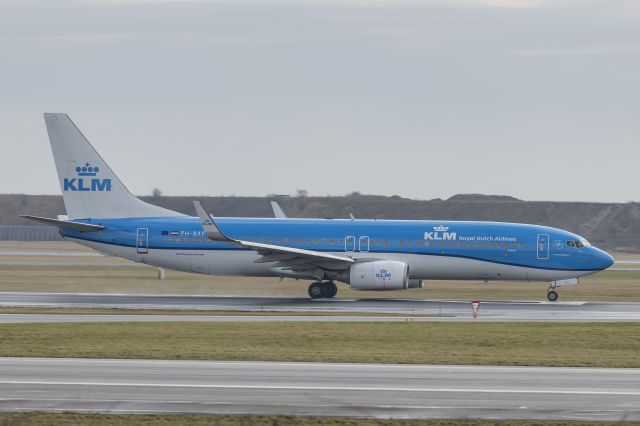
[567, 344]
[71, 419]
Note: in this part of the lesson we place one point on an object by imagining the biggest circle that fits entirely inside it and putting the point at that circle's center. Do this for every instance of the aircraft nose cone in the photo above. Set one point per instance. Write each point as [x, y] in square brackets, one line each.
[604, 259]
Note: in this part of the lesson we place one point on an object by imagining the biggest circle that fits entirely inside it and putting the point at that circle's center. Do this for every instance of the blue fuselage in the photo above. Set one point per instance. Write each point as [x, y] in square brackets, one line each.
[499, 250]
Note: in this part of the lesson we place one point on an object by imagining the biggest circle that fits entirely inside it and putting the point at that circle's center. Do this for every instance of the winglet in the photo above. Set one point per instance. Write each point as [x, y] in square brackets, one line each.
[210, 228]
[277, 210]
[351, 216]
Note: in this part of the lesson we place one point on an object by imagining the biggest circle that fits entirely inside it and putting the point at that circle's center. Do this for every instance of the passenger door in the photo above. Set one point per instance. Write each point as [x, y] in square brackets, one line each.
[142, 240]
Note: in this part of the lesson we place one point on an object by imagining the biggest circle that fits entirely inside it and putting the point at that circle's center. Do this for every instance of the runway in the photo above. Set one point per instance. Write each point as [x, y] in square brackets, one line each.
[361, 390]
[438, 310]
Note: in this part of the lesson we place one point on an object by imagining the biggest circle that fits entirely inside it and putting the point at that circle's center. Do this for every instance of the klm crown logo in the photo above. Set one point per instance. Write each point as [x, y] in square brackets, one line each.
[440, 233]
[87, 180]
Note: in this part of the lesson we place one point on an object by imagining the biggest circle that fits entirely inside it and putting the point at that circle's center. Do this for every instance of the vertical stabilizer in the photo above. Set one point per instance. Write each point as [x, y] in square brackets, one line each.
[89, 187]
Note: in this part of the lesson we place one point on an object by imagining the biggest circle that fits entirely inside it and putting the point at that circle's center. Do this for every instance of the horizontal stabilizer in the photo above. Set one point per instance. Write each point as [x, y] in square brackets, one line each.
[76, 226]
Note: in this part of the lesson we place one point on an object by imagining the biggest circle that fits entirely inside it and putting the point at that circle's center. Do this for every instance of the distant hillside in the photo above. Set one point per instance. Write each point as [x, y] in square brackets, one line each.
[482, 197]
[613, 226]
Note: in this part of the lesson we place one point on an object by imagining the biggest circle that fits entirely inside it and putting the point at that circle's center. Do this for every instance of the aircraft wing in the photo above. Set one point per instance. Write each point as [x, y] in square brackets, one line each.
[290, 258]
[277, 210]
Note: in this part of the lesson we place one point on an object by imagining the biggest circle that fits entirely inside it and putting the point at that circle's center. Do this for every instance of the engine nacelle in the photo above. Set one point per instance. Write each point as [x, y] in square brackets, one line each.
[377, 276]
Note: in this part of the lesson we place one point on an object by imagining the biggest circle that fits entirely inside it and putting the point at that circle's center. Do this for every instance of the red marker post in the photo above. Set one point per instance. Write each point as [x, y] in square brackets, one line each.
[475, 307]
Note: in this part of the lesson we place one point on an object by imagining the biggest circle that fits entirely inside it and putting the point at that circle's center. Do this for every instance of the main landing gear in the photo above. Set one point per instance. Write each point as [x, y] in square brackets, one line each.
[325, 289]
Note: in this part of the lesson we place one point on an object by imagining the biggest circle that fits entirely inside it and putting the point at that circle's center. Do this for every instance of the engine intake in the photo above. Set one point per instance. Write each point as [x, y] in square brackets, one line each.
[376, 276]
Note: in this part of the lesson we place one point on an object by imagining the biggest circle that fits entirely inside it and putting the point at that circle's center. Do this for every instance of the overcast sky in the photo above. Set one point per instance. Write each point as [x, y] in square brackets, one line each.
[537, 99]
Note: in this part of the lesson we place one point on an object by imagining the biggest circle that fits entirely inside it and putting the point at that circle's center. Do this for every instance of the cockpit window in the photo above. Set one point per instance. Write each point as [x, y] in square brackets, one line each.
[578, 243]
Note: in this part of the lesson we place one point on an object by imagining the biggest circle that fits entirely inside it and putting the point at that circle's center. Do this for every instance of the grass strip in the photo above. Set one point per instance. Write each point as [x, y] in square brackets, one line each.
[97, 419]
[537, 344]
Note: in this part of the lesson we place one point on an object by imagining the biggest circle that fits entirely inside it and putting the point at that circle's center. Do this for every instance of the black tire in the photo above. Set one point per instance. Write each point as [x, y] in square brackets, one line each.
[316, 290]
[552, 296]
[332, 289]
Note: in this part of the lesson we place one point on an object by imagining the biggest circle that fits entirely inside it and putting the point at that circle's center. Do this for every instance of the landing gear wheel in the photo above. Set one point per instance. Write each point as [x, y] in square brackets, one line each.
[316, 290]
[330, 289]
[552, 296]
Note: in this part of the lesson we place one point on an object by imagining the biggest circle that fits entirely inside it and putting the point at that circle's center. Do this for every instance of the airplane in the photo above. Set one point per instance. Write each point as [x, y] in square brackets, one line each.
[368, 255]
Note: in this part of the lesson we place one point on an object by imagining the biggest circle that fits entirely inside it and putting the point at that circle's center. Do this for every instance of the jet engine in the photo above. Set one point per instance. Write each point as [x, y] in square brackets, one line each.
[377, 275]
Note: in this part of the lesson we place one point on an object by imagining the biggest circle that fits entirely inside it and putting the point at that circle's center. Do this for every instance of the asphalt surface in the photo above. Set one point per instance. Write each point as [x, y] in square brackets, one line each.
[363, 390]
[439, 310]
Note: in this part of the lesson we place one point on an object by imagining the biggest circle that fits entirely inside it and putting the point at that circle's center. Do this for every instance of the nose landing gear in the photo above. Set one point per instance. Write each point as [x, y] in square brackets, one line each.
[325, 289]
[552, 294]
